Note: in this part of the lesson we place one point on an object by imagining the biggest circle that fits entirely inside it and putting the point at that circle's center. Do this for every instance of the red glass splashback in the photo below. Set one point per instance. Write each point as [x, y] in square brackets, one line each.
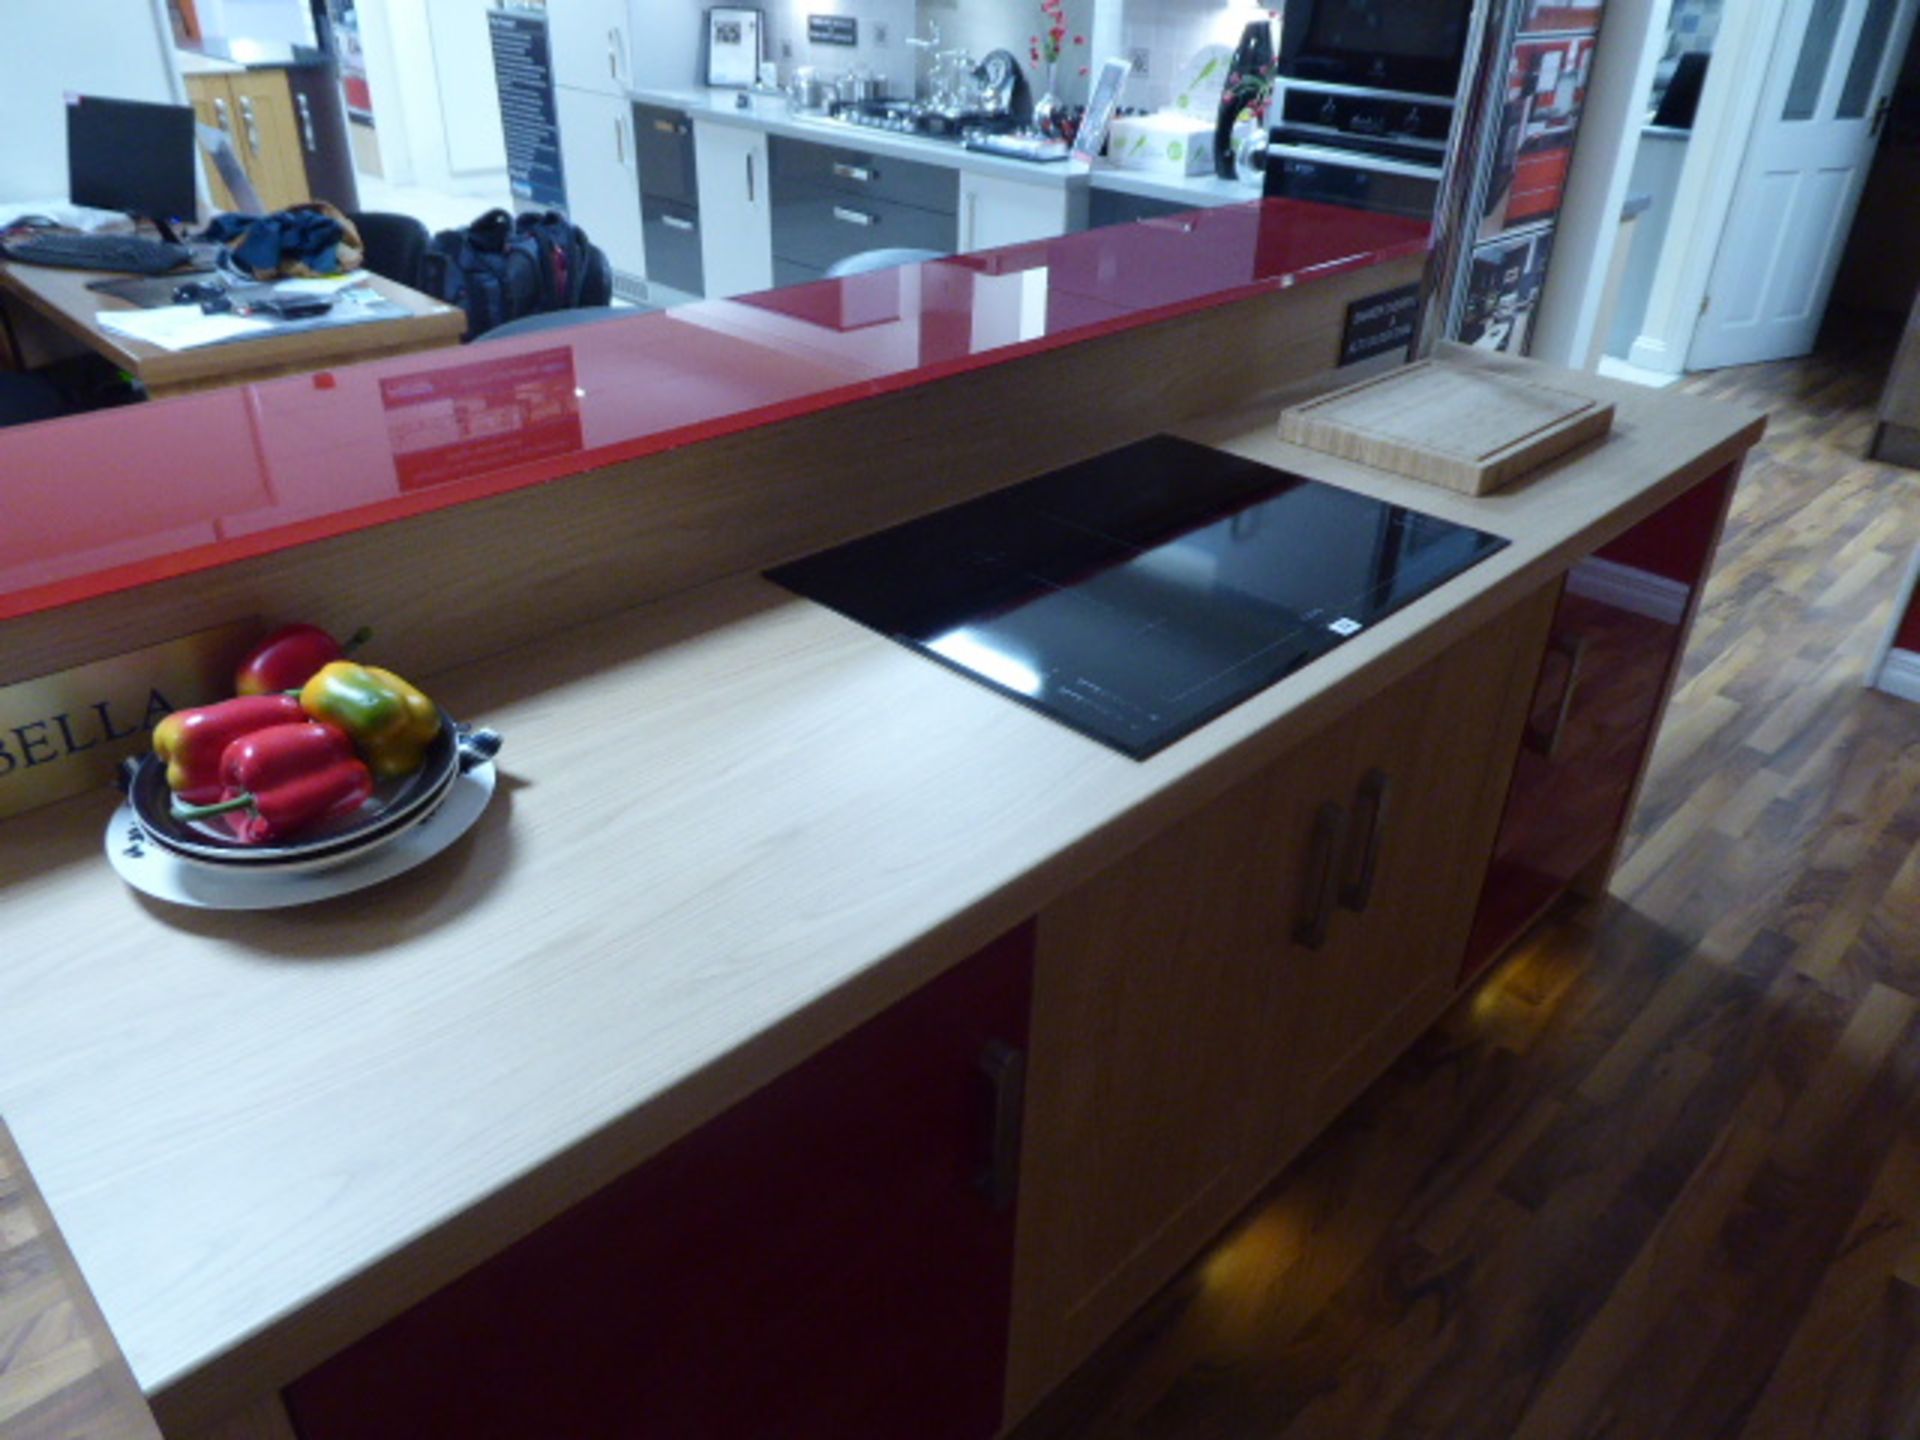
[126, 497]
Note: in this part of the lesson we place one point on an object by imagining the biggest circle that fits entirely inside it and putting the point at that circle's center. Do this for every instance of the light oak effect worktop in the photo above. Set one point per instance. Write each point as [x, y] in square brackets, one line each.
[731, 826]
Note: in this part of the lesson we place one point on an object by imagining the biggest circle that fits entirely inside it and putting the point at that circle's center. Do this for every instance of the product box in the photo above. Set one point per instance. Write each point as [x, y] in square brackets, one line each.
[1163, 143]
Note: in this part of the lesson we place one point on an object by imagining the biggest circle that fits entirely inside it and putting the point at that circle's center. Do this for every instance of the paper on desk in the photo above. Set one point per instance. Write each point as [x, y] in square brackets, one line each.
[320, 284]
[179, 327]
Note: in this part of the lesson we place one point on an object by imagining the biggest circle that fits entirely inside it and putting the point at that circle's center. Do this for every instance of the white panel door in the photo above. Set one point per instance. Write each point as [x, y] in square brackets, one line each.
[1826, 94]
[603, 181]
[469, 96]
[591, 47]
[995, 211]
[736, 220]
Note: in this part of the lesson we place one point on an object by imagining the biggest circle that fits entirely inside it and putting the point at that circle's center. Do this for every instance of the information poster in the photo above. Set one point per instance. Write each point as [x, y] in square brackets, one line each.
[523, 68]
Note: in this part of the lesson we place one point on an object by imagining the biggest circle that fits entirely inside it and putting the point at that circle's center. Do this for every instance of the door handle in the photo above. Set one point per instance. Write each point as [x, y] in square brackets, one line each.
[222, 116]
[613, 57]
[854, 217]
[1006, 1072]
[852, 172]
[666, 127]
[623, 58]
[620, 142]
[1573, 649]
[1369, 801]
[1880, 115]
[252, 122]
[676, 222]
[749, 179]
[306, 124]
[1310, 929]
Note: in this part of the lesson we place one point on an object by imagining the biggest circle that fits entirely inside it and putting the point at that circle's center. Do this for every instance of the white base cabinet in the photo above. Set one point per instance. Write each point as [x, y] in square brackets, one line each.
[995, 211]
[736, 220]
[603, 180]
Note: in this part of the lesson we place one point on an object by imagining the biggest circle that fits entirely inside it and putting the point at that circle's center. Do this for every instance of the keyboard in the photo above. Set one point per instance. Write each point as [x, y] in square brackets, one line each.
[133, 254]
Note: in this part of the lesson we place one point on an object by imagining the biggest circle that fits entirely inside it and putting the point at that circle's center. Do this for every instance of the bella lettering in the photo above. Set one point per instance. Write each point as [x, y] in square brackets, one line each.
[57, 737]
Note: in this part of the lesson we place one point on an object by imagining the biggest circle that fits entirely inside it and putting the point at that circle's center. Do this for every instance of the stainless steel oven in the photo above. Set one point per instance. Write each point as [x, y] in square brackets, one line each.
[1367, 149]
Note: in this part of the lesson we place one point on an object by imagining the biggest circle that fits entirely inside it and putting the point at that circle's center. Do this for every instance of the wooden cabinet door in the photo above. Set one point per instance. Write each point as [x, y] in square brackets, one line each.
[268, 138]
[1601, 692]
[1427, 779]
[1157, 988]
[212, 99]
[820, 1262]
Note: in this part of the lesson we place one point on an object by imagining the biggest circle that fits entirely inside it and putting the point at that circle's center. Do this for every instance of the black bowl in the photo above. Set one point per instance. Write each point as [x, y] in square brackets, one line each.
[393, 808]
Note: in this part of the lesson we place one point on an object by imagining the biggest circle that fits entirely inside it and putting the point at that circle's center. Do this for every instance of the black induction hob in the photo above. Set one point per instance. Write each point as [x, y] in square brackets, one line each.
[1137, 595]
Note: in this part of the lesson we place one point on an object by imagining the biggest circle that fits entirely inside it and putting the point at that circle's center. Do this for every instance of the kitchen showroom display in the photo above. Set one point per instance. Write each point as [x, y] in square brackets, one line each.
[1137, 595]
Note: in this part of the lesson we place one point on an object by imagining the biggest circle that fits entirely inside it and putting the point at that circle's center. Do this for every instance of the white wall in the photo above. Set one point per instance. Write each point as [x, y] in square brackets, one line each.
[984, 25]
[787, 31]
[1172, 32]
[438, 136]
[287, 21]
[116, 48]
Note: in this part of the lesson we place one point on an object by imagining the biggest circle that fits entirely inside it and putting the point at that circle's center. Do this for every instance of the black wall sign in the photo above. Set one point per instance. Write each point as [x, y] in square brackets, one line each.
[1377, 324]
[523, 66]
[833, 30]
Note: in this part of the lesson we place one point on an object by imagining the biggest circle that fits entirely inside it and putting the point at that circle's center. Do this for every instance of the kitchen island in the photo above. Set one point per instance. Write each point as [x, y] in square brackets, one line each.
[736, 834]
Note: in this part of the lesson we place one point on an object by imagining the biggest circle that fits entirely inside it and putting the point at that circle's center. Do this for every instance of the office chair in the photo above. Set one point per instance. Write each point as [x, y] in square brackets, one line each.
[394, 245]
[563, 320]
[27, 398]
[878, 260]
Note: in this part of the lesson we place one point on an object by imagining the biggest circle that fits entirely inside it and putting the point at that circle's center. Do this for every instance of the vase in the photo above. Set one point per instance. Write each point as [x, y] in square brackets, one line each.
[1047, 109]
[1252, 62]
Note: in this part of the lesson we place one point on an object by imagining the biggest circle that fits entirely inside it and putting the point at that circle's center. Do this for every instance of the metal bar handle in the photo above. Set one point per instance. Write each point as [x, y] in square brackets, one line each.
[1573, 649]
[852, 172]
[1310, 930]
[749, 177]
[666, 127]
[222, 116]
[252, 123]
[306, 124]
[1351, 160]
[854, 217]
[1370, 801]
[676, 222]
[1006, 1071]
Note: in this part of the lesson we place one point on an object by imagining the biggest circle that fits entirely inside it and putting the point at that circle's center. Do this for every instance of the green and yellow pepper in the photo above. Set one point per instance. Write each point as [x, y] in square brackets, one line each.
[389, 722]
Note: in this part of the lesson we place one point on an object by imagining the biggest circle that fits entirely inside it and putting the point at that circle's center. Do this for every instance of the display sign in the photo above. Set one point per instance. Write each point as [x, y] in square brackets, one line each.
[63, 734]
[733, 46]
[833, 30]
[458, 421]
[523, 70]
[1379, 324]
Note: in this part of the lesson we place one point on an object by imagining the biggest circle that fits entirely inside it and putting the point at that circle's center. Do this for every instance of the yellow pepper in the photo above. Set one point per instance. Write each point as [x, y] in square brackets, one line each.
[390, 722]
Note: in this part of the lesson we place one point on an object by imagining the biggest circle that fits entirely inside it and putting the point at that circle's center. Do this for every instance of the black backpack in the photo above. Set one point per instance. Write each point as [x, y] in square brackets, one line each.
[490, 270]
[500, 268]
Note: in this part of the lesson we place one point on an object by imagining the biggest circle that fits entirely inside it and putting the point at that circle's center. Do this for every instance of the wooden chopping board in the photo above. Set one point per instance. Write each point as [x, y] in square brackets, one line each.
[1470, 430]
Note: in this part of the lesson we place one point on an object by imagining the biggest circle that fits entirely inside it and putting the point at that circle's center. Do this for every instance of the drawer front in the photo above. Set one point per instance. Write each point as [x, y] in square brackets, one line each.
[663, 143]
[1116, 207]
[815, 227]
[800, 167]
[673, 243]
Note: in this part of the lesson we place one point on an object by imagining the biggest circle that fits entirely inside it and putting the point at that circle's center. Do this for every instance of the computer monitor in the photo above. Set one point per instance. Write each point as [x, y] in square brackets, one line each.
[133, 156]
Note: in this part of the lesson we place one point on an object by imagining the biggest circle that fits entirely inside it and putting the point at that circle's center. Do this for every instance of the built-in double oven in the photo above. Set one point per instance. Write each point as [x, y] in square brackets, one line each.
[1364, 102]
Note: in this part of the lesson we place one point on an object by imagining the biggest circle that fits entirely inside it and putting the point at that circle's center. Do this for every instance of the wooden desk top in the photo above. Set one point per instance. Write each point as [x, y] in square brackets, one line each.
[61, 1374]
[62, 297]
[731, 827]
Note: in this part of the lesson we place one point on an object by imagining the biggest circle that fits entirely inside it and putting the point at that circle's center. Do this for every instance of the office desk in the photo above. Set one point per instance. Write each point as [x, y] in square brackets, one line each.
[39, 296]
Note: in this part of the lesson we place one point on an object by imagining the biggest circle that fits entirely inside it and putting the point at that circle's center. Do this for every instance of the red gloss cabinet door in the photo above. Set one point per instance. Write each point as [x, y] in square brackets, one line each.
[1603, 686]
[822, 1260]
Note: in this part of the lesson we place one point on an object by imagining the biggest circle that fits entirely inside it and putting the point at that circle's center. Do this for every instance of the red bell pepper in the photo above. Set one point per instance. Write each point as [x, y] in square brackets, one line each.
[279, 781]
[291, 656]
[192, 742]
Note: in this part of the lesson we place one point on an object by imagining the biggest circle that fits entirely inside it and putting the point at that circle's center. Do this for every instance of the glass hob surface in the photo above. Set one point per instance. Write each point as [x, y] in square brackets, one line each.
[1137, 595]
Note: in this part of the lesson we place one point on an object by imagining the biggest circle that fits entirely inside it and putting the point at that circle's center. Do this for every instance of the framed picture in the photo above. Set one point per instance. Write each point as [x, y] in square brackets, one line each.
[1101, 104]
[733, 46]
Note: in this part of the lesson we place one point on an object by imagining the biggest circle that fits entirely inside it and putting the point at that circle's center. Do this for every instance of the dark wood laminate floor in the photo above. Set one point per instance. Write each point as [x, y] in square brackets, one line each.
[1660, 1175]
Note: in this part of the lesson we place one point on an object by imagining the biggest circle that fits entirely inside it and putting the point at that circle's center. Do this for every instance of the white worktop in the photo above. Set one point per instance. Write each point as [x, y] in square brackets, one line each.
[732, 825]
[718, 106]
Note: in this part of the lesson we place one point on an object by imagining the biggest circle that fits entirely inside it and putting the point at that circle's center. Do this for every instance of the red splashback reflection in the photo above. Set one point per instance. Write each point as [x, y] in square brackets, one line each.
[104, 502]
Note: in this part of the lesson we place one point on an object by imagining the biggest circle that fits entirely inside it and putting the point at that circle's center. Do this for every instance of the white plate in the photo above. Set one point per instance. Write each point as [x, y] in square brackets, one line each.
[165, 876]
